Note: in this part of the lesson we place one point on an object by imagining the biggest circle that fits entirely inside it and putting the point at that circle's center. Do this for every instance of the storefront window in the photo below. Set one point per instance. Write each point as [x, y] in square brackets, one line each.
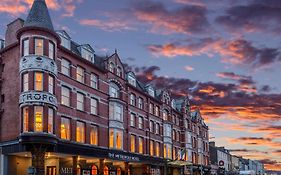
[65, 128]
[38, 111]
[51, 84]
[94, 170]
[119, 171]
[151, 145]
[133, 143]
[157, 149]
[168, 151]
[25, 82]
[111, 138]
[80, 132]
[38, 81]
[25, 119]
[115, 138]
[94, 135]
[50, 120]
[141, 145]
[38, 46]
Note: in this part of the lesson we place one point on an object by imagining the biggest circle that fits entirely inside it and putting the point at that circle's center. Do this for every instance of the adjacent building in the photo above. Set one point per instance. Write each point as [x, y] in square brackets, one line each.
[65, 110]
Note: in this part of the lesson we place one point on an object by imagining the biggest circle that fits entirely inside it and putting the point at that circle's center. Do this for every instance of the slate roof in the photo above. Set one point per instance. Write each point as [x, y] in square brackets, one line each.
[39, 16]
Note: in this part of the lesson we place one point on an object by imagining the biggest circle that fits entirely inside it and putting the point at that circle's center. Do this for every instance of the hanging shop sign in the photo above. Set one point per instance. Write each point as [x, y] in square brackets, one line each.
[221, 163]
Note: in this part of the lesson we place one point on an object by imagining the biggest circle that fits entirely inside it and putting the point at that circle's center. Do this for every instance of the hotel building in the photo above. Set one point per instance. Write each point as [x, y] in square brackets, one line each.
[65, 110]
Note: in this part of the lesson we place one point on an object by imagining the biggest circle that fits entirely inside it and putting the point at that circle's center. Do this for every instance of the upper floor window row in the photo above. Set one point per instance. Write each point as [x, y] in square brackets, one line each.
[38, 82]
[39, 47]
[119, 70]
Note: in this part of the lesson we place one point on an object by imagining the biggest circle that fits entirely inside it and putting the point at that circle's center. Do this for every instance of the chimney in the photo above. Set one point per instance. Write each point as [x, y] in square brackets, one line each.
[213, 144]
[12, 28]
[2, 44]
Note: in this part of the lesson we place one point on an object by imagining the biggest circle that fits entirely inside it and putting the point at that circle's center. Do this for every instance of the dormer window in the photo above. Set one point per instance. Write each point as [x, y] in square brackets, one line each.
[173, 103]
[111, 67]
[119, 72]
[87, 53]
[65, 39]
[151, 91]
[131, 79]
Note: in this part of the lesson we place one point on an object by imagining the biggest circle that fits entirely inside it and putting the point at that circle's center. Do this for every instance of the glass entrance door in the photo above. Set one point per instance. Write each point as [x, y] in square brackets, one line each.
[51, 170]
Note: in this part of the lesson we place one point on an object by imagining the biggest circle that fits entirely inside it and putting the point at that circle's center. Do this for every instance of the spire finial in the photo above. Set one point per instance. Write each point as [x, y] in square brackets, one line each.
[115, 50]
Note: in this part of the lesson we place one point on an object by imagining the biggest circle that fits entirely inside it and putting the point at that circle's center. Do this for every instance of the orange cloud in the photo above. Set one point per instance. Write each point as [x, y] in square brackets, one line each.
[188, 68]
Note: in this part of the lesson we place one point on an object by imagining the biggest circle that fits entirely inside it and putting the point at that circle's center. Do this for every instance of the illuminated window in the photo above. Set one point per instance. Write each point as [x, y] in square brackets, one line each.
[140, 122]
[65, 128]
[167, 151]
[133, 100]
[157, 110]
[111, 67]
[119, 171]
[25, 82]
[65, 67]
[105, 170]
[94, 135]
[119, 72]
[141, 145]
[78, 170]
[51, 84]
[38, 112]
[174, 153]
[151, 124]
[80, 101]
[80, 132]
[94, 170]
[94, 106]
[80, 74]
[133, 120]
[115, 138]
[50, 120]
[140, 103]
[151, 146]
[94, 81]
[38, 81]
[133, 143]
[114, 90]
[25, 47]
[165, 115]
[38, 46]
[157, 128]
[157, 149]
[51, 50]
[65, 96]
[25, 119]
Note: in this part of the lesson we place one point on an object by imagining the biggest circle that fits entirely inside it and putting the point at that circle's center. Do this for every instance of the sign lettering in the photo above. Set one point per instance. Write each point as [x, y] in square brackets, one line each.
[123, 157]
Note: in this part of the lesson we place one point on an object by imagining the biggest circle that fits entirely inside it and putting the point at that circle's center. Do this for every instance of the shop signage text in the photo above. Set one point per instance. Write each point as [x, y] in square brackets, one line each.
[123, 157]
[66, 170]
[38, 97]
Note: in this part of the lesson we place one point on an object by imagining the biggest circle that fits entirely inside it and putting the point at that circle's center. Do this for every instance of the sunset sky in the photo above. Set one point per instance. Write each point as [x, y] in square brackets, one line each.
[225, 56]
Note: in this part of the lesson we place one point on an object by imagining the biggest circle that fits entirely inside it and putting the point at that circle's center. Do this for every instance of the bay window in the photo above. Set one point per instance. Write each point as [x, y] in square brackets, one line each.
[94, 81]
[114, 90]
[80, 74]
[167, 151]
[94, 106]
[141, 145]
[133, 143]
[167, 130]
[65, 67]
[25, 82]
[25, 48]
[51, 84]
[116, 111]
[80, 132]
[165, 115]
[94, 135]
[80, 101]
[50, 120]
[39, 46]
[65, 96]
[25, 119]
[115, 138]
[65, 128]
[38, 116]
[38, 81]
[51, 50]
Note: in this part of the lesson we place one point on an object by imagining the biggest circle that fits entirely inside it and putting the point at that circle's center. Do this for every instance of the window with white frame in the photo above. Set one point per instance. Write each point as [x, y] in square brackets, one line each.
[65, 96]
[39, 46]
[151, 91]
[94, 106]
[132, 99]
[116, 111]
[111, 67]
[167, 130]
[157, 111]
[51, 50]
[165, 115]
[38, 81]
[65, 128]
[141, 123]
[131, 79]
[25, 82]
[141, 145]
[65, 67]
[114, 90]
[151, 125]
[133, 143]
[80, 101]
[140, 103]
[88, 55]
[80, 74]
[151, 108]
[25, 47]
[157, 128]
[119, 72]
[115, 138]
[167, 151]
[94, 81]
[51, 84]
[133, 120]
[65, 42]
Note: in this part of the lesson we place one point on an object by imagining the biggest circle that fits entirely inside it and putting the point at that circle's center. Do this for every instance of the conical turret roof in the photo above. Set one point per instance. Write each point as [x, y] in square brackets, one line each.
[39, 16]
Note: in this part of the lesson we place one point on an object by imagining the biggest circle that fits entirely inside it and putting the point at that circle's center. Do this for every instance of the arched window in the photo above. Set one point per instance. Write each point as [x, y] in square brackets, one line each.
[105, 170]
[94, 170]
[165, 115]
[114, 90]
[119, 171]
[111, 67]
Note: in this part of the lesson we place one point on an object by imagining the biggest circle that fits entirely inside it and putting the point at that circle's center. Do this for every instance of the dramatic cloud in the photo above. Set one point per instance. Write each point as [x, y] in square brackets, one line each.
[189, 68]
[257, 141]
[235, 52]
[256, 16]
[187, 19]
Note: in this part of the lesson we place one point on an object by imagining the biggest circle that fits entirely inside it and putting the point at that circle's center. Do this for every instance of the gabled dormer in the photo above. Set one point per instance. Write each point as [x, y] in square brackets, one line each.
[150, 90]
[65, 39]
[114, 65]
[165, 97]
[131, 77]
[87, 52]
